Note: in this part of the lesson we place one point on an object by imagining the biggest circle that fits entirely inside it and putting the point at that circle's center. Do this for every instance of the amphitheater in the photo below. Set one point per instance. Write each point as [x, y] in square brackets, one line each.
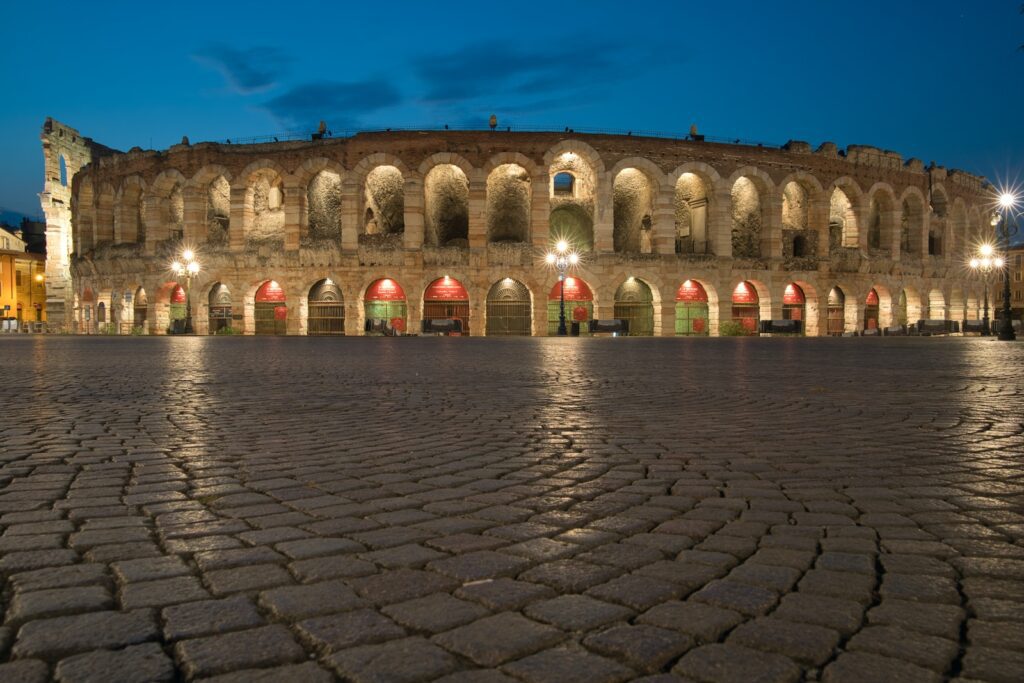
[379, 231]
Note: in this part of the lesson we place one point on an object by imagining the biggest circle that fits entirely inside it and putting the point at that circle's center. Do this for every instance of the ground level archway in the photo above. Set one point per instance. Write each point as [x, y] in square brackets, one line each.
[385, 307]
[446, 298]
[509, 312]
[219, 308]
[692, 314]
[794, 305]
[579, 305]
[270, 312]
[325, 310]
[140, 309]
[746, 308]
[634, 302]
[835, 312]
[872, 310]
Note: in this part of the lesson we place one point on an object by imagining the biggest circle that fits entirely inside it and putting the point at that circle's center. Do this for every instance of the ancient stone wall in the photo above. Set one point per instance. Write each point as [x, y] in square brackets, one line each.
[484, 206]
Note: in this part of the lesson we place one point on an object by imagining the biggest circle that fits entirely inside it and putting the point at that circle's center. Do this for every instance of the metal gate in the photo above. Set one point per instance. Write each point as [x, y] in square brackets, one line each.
[270, 318]
[635, 303]
[326, 315]
[836, 321]
[448, 309]
[220, 308]
[508, 309]
[692, 319]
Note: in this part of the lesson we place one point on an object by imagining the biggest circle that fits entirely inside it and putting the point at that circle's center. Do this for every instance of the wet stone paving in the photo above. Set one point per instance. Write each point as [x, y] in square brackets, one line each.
[593, 510]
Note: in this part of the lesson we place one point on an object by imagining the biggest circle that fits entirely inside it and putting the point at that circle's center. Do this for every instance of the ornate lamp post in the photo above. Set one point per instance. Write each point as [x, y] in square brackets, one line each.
[188, 267]
[1007, 202]
[984, 263]
[562, 258]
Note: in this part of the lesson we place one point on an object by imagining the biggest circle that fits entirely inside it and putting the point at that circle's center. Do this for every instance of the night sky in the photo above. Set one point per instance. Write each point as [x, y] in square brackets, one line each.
[939, 80]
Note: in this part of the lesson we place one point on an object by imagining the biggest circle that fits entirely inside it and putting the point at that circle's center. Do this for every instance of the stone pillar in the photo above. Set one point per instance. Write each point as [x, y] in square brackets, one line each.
[351, 220]
[604, 215]
[540, 213]
[891, 232]
[668, 320]
[294, 213]
[240, 213]
[414, 310]
[664, 222]
[477, 210]
[771, 226]
[296, 302]
[853, 314]
[156, 228]
[817, 220]
[414, 215]
[195, 227]
[698, 221]
[354, 319]
[720, 223]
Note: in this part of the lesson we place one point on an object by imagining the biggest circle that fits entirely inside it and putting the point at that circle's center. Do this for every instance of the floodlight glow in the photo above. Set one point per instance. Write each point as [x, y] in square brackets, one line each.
[1007, 199]
[986, 250]
[562, 246]
[975, 263]
[176, 267]
[574, 259]
[998, 263]
[193, 267]
[188, 254]
[550, 259]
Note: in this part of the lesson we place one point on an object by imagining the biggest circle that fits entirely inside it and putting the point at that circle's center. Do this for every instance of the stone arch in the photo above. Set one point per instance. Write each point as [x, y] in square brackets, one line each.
[446, 205]
[637, 300]
[572, 216]
[749, 189]
[263, 212]
[517, 158]
[446, 159]
[957, 303]
[210, 194]
[220, 302]
[509, 202]
[383, 309]
[574, 224]
[881, 222]
[912, 221]
[129, 212]
[84, 217]
[579, 148]
[909, 307]
[635, 190]
[697, 311]
[811, 306]
[939, 221]
[382, 200]
[323, 308]
[167, 194]
[747, 311]
[320, 198]
[845, 197]
[509, 310]
[691, 197]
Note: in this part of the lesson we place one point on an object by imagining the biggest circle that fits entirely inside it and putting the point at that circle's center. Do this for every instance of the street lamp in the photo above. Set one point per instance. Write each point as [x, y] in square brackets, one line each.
[562, 258]
[188, 267]
[985, 263]
[1007, 202]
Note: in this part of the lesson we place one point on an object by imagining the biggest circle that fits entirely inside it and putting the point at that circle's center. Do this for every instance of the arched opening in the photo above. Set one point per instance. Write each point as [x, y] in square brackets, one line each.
[220, 308]
[385, 308]
[264, 202]
[572, 201]
[795, 206]
[632, 211]
[747, 219]
[101, 313]
[446, 298]
[131, 216]
[935, 240]
[872, 311]
[579, 305]
[88, 302]
[746, 308]
[880, 218]
[692, 310]
[691, 215]
[384, 201]
[174, 212]
[508, 204]
[326, 309]
[177, 310]
[83, 219]
[218, 211]
[572, 224]
[842, 221]
[836, 312]
[799, 246]
[634, 303]
[446, 208]
[508, 309]
[323, 206]
[911, 225]
[63, 171]
[270, 312]
[563, 185]
[794, 304]
[140, 310]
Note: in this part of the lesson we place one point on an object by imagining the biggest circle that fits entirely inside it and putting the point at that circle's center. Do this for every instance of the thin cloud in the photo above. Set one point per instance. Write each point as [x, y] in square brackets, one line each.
[246, 71]
[333, 101]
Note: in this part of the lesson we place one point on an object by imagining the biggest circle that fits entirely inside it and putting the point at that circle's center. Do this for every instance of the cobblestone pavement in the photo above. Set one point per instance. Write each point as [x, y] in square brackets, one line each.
[594, 510]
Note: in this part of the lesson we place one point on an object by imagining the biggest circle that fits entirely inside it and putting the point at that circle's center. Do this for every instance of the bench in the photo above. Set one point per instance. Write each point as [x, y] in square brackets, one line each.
[442, 326]
[973, 326]
[613, 326]
[781, 327]
[936, 327]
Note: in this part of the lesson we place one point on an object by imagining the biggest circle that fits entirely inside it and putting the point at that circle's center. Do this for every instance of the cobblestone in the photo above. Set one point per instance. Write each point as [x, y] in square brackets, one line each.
[490, 510]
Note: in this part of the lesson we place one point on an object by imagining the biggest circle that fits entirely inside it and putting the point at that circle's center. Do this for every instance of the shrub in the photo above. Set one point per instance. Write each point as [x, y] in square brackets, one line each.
[228, 331]
[731, 328]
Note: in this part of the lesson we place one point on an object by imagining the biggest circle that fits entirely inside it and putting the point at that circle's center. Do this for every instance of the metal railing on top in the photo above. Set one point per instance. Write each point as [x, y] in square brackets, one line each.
[294, 136]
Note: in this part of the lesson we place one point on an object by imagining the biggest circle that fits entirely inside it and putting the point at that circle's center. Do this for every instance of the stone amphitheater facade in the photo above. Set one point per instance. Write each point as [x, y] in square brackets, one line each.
[863, 237]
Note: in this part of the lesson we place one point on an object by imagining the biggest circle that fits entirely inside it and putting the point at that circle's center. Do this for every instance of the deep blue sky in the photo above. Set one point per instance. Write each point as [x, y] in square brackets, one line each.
[940, 80]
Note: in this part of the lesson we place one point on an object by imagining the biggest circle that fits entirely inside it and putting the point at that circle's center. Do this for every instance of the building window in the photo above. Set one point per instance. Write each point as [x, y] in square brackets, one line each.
[17, 278]
[563, 184]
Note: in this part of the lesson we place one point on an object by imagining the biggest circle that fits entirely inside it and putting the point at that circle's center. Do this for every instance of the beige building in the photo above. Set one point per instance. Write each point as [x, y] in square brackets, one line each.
[384, 230]
[22, 282]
